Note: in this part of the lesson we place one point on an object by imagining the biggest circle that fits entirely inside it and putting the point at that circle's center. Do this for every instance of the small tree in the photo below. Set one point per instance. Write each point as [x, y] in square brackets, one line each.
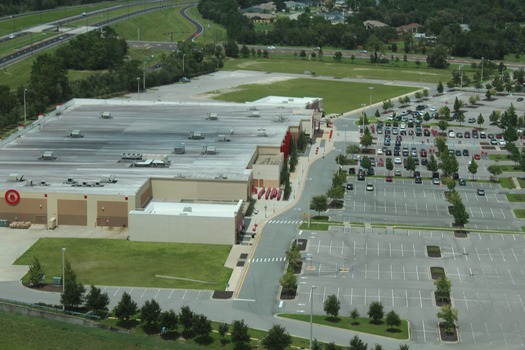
[201, 327]
[150, 312]
[319, 204]
[449, 315]
[443, 287]
[440, 88]
[288, 281]
[96, 300]
[392, 319]
[375, 311]
[473, 167]
[293, 255]
[461, 217]
[125, 308]
[357, 344]
[411, 164]
[277, 338]
[495, 170]
[353, 150]
[367, 140]
[432, 164]
[389, 165]
[366, 163]
[354, 315]
[332, 305]
[36, 272]
[239, 335]
[169, 320]
[451, 184]
[480, 120]
[222, 328]
[443, 125]
[72, 296]
[186, 318]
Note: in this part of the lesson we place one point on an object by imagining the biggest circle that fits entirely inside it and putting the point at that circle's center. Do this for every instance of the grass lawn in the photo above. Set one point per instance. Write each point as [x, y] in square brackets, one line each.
[313, 227]
[506, 182]
[509, 168]
[124, 263]
[521, 181]
[24, 21]
[338, 96]
[326, 66]
[499, 157]
[363, 325]
[520, 213]
[515, 197]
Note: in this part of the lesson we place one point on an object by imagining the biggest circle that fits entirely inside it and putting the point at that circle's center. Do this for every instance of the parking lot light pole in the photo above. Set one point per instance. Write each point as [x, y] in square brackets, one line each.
[310, 197]
[25, 107]
[371, 88]
[311, 314]
[63, 278]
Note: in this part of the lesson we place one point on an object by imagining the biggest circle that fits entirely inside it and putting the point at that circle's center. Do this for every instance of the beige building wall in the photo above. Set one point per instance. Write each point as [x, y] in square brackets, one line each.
[203, 190]
[146, 227]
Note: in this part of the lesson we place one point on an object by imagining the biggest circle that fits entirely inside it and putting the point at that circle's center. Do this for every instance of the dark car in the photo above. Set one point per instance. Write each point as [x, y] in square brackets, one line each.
[462, 182]
[458, 153]
[417, 173]
[520, 99]
[371, 172]
[388, 152]
[466, 153]
[361, 176]
[466, 134]
[435, 175]
[351, 171]
[455, 176]
[349, 186]
[417, 180]
[424, 161]
[396, 153]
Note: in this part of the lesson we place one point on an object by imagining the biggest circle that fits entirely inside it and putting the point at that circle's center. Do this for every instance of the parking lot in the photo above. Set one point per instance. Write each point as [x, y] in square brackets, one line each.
[485, 271]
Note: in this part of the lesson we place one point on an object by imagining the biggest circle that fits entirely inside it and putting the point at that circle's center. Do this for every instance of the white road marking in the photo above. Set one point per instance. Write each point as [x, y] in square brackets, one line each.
[404, 274]
[459, 275]
[406, 296]
[393, 302]
[465, 298]
[417, 274]
[473, 334]
[402, 253]
[488, 250]
[169, 297]
[424, 333]
[420, 299]
[156, 295]
[502, 256]
[118, 290]
[488, 334]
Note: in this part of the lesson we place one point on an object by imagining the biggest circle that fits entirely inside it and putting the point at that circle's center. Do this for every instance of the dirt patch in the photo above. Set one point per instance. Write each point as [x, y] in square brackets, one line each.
[461, 234]
[297, 270]
[301, 244]
[448, 337]
[288, 294]
[437, 272]
[442, 300]
[433, 251]
[222, 294]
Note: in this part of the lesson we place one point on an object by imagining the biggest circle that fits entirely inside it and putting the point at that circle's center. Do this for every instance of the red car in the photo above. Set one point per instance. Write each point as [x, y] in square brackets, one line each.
[389, 179]
[477, 157]
[423, 153]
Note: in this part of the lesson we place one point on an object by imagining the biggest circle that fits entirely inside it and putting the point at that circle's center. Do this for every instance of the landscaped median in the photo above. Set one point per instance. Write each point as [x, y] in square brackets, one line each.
[360, 324]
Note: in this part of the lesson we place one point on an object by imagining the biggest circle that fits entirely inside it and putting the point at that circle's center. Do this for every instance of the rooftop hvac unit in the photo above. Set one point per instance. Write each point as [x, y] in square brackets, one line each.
[179, 149]
[105, 115]
[195, 135]
[223, 138]
[75, 133]
[109, 179]
[262, 133]
[213, 116]
[47, 155]
[16, 177]
[209, 150]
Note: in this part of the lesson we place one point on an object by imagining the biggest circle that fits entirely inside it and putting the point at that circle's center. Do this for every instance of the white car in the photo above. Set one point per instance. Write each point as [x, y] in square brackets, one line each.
[271, 47]
[379, 151]
[451, 134]
[433, 109]
[369, 187]
[397, 161]
[502, 142]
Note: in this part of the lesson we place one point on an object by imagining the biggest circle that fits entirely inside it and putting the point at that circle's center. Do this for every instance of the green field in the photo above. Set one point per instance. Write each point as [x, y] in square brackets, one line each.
[520, 213]
[338, 96]
[125, 263]
[363, 325]
[515, 197]
[360, 69]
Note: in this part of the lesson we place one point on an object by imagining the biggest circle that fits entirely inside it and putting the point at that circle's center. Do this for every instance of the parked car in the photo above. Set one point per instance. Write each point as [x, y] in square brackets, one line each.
[493, 142]
[480, 192]
[477, 157]
[466, 134]
[417, 180]
[466, 152]
[451, 134]
[471, 120]
[351, 171]
[349, 186]
[369, 187]
[436, 181]
[462, 182]
[397, 160]
[389, 179]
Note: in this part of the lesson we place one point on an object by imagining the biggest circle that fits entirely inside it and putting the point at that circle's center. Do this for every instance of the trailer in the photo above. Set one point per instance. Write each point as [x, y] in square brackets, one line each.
[261, 193]
[195, 135]
[75, 134]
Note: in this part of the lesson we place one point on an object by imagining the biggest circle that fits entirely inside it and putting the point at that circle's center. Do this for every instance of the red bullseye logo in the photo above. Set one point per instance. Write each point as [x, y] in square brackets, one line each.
[12, 197]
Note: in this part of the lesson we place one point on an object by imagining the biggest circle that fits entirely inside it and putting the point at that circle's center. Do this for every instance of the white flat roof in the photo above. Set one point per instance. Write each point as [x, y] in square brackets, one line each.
[190, 209]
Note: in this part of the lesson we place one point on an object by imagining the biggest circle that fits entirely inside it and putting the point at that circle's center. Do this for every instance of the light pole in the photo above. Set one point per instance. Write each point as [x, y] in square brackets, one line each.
[63, 278]
[482, 59]
[183, 58]
[370, 105]
[138, 88]
[308, 204]
[311, 314]
[25, 107]
[144, 77]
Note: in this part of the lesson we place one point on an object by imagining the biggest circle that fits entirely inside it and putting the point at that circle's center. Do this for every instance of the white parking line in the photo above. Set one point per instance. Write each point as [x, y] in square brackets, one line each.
[156, 295]
[378, 271]
[118, 290]
[366, 271]
[169, 297]
[477, 253]
[488, 250]
[473, 334]
[480, 303]
[406, 296]
[365, 296]
[377, 248]
[417, 274]
[503, 334]
[343, 248]
[459, 275]
[420, 299]
[354, 248]
[389, 248]
[465, 298]
[518, 332]
[391, 274]
[424, 333]
[402, 252]
[330, 249]
[144, 292]
[453, 254]
[508, 304]
[351, 295]
[488, 334]
[366, 248]
[414, 247]
[378, 295]
[502, 256]
[521, 301]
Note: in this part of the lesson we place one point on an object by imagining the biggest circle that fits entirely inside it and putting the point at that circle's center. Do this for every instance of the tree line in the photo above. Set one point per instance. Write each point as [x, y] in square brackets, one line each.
[11, 7]
[105, 55]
